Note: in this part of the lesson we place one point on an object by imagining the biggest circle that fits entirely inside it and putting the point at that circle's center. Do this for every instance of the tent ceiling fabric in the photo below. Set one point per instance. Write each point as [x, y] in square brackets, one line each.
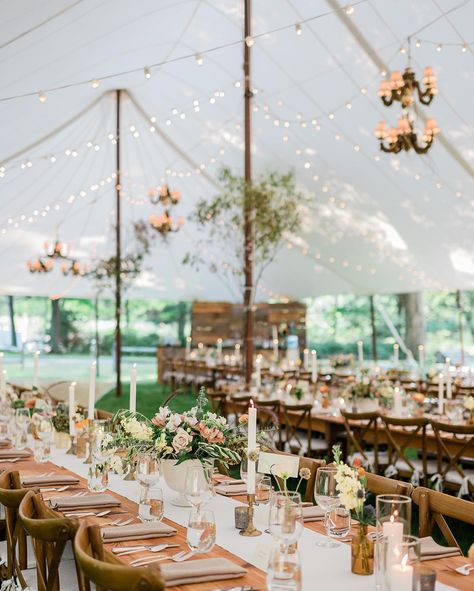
[377, 223]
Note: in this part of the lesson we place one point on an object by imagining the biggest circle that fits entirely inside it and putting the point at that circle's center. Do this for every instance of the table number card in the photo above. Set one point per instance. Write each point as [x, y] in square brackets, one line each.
[268, 462]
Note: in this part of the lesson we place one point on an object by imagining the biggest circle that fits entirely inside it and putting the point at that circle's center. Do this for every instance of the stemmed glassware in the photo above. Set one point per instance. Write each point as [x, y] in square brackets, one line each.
[44, 430]
[326, 496]
[201, 532]
[22, 420]
[285, 517]
[198, 489]
[147, 470]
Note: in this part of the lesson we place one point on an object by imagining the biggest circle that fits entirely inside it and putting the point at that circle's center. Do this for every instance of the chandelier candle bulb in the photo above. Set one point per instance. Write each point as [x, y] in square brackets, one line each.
[440, 393]
[421, 359]
[219, 350]
[251, 446]
[72, 409]
[91, 405]
[306, 359]
[447, 375]
[314, 366]
[133, 388]
[35, 368]
[395, 355]
[360, 353]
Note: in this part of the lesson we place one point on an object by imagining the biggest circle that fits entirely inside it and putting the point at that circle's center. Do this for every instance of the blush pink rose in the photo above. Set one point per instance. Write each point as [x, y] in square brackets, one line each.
[182, 440]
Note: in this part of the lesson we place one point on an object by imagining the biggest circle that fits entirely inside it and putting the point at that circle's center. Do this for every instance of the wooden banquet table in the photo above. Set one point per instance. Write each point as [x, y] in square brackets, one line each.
[329, 567]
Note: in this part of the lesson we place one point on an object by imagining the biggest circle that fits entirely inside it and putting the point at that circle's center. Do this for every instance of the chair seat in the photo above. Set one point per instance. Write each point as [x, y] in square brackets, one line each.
[431, 466]
[453, 477]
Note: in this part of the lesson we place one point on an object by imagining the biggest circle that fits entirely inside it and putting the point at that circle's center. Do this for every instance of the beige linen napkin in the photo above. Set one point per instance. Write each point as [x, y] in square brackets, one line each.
[5, 443]
[137, 531]
[200, 571]
[231, 490]
[79, 503]
[6, 454]
[313, 513]
[52, 480]
[431, 550]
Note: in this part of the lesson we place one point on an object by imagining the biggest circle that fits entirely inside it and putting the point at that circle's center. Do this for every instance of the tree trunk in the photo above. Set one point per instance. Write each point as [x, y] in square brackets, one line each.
[56, 343]
[414, 321]
[11, 313]
[181, 322]
[373, 328]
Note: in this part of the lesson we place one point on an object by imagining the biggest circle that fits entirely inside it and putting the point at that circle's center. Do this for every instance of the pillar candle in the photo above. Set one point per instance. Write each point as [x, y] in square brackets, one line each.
[314, 366]
[237, 352]
[306, 359]
[91, 391]
[188, 346]
[447, 375]
[401, 576]
[393, 531]
[133, 388]
[3, 384]
[251, 446]
[219, 350]
[421, 359]
[258, 372]
[440, 393]
[72, 409]
[395, 355]
[274, 333]
[275, 350]
[360, 352]
[397, 402]
[35, 368]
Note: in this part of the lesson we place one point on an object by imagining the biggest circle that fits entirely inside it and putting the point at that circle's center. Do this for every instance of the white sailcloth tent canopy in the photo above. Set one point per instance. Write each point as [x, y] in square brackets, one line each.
[376, 222]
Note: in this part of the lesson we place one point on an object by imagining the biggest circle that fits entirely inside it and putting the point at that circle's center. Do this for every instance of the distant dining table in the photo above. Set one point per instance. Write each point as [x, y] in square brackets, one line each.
[330, 568]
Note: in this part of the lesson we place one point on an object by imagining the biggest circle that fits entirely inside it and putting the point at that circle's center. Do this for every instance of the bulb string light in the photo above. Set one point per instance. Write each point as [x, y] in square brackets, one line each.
[197, 56]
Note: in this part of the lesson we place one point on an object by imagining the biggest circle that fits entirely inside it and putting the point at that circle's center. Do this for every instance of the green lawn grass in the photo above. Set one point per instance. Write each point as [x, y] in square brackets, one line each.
[150, 396]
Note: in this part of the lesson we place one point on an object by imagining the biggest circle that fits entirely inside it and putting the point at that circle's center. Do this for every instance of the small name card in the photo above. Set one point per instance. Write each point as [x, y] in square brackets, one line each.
[269, 463]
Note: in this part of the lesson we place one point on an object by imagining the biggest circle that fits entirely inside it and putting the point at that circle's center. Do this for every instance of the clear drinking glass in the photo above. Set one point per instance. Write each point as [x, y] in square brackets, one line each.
[454, 410]
[201, 533]
[44, 430]
[151, 507]
[338, 523]
[284, 570]
[147, 470]
[22, 420]
[263, 490]
[285, 519]
[197, 488]
[98, 478]
[326, 496]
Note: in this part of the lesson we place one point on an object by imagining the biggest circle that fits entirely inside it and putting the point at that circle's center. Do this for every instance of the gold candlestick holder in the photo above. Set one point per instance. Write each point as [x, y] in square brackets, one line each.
[250, 530]
[73, 447]
[88, 459]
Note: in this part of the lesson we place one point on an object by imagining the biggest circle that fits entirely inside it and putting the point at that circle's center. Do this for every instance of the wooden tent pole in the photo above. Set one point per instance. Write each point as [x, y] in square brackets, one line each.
[118, 253]
[248, 207]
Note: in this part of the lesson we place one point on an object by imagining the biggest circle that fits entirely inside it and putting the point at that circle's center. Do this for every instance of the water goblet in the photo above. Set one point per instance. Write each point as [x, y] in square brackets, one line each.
[201, 532]
[197, 488]
[151, 507]
[285, 517]
[326, 496]
[147, 470]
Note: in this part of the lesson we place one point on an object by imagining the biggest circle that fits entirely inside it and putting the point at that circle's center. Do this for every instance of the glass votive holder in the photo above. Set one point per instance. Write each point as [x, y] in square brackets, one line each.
[241, 517]
[425, 579]
[400, 564]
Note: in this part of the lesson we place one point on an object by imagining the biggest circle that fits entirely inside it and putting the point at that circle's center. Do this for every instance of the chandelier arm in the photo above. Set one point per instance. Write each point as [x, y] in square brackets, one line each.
[387, 102]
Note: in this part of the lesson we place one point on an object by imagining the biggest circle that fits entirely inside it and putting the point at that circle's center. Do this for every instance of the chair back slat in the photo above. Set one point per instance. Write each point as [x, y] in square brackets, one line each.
[401, 434]
[296, 418]
[381, 485]
[357, 426]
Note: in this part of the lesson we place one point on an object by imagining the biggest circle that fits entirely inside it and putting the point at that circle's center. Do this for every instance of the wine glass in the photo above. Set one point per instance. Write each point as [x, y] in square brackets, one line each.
[147, 470]
[22, 420]
[284, 570]
[326, 496]
[44, 430]
[151, 507]
[197, 488]
[339, 523]
[286, 517]
[201, 532]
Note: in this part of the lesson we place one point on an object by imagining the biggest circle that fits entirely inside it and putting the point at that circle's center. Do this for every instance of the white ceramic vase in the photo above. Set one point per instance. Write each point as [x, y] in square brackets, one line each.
[175, 477]
[367, 405]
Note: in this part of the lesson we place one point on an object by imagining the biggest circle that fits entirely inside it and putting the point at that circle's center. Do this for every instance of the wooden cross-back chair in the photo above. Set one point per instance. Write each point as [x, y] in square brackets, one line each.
[312, 464]
[11, 495]
[401, 435]
[240, 405]
[358, 425]
[218, 402]
[268, 419]
[449, 464]
[50, 532]
[380, 485]
[105, 570]
[435, 506]
[296, 418]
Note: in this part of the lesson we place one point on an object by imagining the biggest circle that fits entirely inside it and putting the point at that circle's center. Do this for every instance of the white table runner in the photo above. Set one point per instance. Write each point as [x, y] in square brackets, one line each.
[323, 568]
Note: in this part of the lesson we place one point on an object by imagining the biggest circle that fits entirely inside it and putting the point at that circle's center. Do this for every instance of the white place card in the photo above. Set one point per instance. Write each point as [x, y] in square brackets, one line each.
[269, 463]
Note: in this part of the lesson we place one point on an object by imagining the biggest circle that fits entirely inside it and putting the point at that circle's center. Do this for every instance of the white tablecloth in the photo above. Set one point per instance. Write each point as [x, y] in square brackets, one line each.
[323, 568]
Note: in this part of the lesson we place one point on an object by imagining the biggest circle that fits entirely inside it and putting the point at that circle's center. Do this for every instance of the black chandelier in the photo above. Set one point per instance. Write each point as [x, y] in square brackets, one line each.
[163, 222]
[404, 88]
[58, 251]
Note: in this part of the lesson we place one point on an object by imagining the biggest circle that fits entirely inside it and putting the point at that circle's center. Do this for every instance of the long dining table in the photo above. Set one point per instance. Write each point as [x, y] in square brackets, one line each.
[325, 568]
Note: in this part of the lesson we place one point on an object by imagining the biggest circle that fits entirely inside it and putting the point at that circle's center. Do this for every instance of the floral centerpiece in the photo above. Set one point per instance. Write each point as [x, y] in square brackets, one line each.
[341, 360]
[351, 483]
[469, 406]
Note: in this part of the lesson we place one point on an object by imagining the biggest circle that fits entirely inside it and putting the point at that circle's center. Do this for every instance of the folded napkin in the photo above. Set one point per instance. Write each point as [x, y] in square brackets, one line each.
[228, 481]
[6, 454]
[52, 480]
[231, 490]
[5, 443]
[137, 531]
[430, 550]
[87, 502]
[313, 513]
[200, 571]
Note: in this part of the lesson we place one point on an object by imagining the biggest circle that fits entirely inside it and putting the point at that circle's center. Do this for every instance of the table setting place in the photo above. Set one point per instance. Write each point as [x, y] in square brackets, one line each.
[267, 522]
